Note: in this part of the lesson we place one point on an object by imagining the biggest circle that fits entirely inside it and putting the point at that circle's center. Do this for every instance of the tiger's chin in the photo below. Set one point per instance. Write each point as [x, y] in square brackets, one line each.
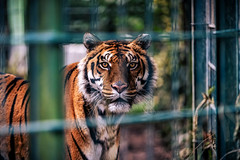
[119, 107]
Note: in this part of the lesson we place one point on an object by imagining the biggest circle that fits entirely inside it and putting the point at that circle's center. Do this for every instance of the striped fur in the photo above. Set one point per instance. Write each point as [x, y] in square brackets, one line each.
[14, 100]
[107, 82]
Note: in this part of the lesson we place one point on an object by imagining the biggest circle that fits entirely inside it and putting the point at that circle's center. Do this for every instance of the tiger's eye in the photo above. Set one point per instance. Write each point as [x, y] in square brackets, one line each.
[132, 65]
[104, 65]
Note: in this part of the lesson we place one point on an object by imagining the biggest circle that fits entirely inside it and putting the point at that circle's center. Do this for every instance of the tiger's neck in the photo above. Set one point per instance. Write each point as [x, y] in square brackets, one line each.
[104, 130]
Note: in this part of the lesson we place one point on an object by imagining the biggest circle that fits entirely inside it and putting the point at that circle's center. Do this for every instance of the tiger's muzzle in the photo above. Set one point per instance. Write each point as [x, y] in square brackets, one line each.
[119, 86]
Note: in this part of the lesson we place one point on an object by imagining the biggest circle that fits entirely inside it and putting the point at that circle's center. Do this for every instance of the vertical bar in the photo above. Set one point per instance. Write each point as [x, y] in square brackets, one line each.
[148, 16]
[3, 30]
[237, 14]
[45, 77]
[32, 26]
[121, 10]
[94, 15]
[238, 64]
[211, 69]
[226, 77]
[148, 26]
[200, 77]
[175, 77]
[16, 20]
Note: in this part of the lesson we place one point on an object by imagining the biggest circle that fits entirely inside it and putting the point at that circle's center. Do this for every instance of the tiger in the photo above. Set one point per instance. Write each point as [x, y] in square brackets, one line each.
[114, 75]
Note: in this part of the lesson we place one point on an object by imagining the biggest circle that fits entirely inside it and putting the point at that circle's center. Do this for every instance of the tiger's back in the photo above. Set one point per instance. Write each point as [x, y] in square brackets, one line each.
[14, 106]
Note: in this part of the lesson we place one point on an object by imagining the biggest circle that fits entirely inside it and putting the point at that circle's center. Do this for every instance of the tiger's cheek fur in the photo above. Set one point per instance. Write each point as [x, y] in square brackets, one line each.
[94, 77]
[142, 76]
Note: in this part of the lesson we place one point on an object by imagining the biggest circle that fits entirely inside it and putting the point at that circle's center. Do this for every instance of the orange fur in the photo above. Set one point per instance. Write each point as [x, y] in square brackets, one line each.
[104, 85]
[14, 99]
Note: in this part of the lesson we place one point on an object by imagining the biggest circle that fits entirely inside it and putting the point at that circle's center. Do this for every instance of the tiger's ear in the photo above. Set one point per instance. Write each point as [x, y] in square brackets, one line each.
[91, 41]
[143, 40]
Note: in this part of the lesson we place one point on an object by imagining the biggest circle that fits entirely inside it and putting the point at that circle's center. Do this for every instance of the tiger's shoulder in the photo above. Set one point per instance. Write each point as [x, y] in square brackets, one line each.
[70, 73]
[14, 91]
[14, 110]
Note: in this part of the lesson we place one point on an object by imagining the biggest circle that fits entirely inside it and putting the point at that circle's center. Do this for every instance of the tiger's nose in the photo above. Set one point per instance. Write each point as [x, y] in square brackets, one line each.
[119, 86]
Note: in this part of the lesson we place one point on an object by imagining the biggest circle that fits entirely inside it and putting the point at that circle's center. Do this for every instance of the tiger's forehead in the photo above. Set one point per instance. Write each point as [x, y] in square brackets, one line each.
[115, 56]
[116, 50]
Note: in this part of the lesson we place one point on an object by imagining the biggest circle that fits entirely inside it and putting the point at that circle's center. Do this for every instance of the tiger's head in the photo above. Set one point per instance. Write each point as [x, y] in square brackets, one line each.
[116, 74]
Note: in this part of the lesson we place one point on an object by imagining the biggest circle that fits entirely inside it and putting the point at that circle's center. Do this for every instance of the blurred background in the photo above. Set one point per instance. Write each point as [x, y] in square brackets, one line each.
[195, 45]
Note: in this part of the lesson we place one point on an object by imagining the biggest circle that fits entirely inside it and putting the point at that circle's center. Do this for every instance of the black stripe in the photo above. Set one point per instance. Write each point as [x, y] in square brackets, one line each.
[9, 88]
[118, 152]
[148, 86]
[98, 71]
[94, 80]
[23, 82]
[13, 82]
[69, 75]
[21, 136]
[69, 154]
[106, 48]
[100, 112]
[125, 50]
[127, 47]
[25, 96]
[20, 127]
[105, 93]
[98, 52]
[92, 130]
[25, 112]
[141, 79]
[12, 111]
[75, 78]
[143, 65]
[136, 50]
[7, 76]
[92, 68]
[78, 127]
[138, 58]
[11, 154]
[79, 149]
[62, 69]
[87, 86]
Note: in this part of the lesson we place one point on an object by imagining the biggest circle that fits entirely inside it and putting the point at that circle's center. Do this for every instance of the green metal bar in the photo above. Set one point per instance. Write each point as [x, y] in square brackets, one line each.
[175, 79]
[46, 87]
[16, 20]
[157, 117]
[3, 29]
[56, 38]
[226, 77]
[94, 15]
[199, 65]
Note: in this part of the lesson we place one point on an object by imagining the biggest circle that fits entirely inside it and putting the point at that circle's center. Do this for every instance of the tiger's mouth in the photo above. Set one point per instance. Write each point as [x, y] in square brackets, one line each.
[119, 100]
[119, 106]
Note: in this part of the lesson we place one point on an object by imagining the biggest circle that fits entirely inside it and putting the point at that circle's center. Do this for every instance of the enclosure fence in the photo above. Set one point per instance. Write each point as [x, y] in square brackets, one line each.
[211, 36]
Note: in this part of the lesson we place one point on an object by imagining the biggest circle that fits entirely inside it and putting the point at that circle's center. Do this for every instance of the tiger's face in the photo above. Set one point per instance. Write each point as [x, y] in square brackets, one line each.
[117, 74]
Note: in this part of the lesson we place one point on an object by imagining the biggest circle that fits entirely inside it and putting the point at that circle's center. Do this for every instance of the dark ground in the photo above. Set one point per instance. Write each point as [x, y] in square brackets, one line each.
[143, 142]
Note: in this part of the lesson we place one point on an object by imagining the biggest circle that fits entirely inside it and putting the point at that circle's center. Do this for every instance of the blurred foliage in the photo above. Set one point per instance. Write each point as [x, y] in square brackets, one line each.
[162, 15]
[116, 16]
[162, 95]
